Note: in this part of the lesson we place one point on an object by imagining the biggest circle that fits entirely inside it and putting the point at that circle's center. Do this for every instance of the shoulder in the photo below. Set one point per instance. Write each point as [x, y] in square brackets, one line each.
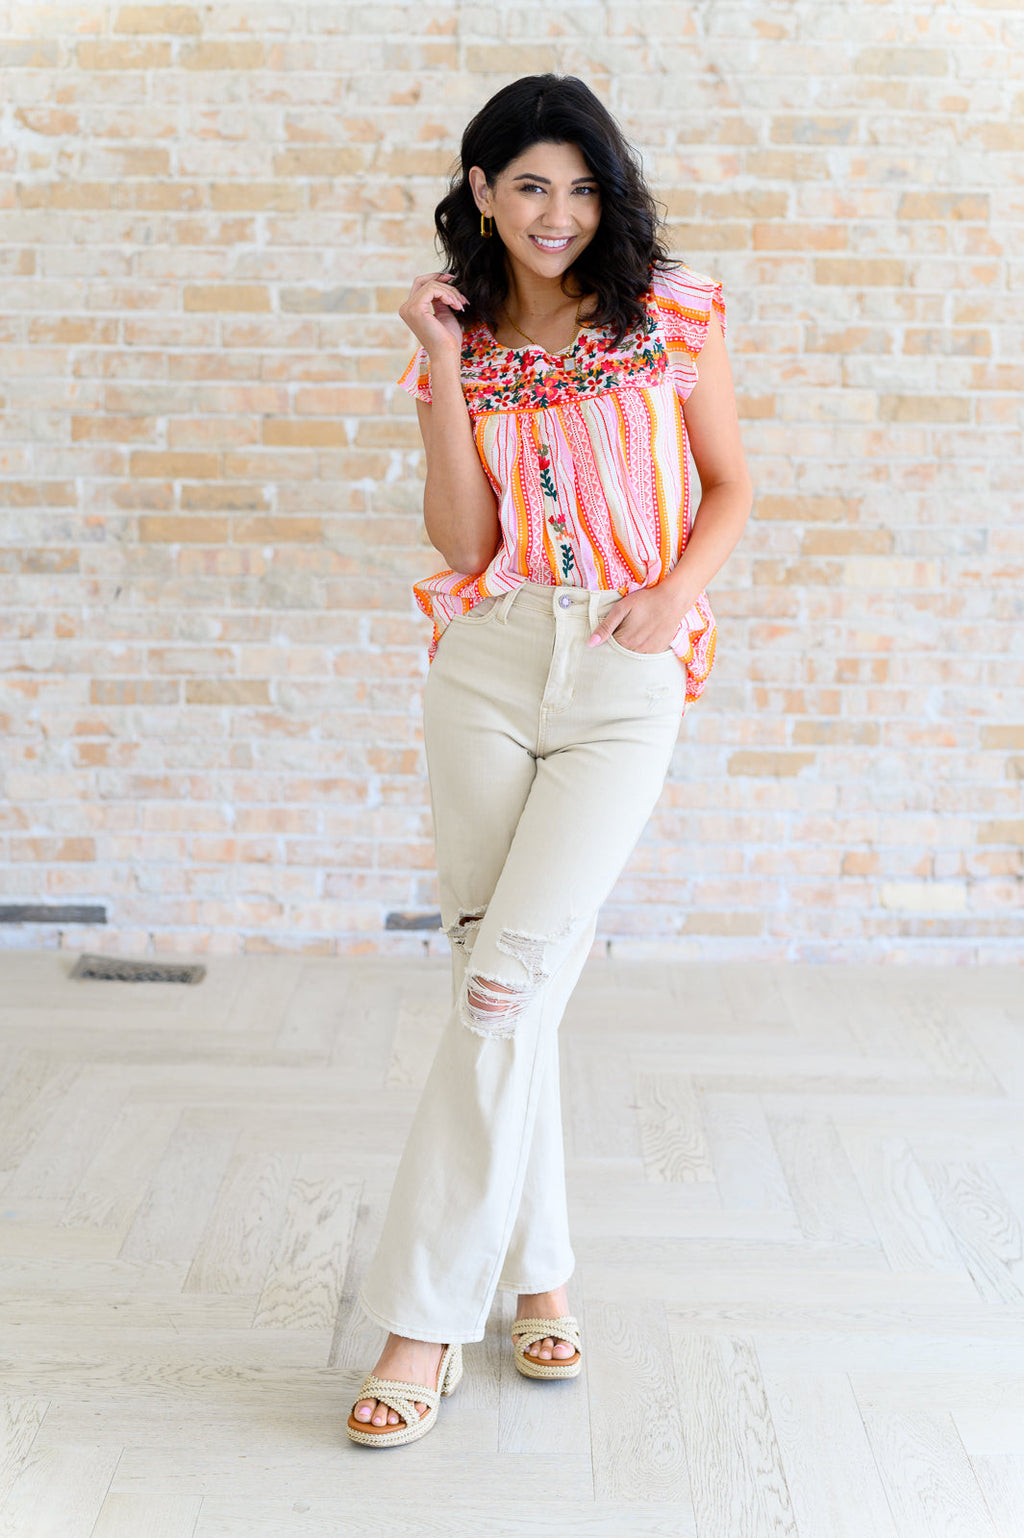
[415, 377]
[684, 299]
[684, 288]
[477, 349]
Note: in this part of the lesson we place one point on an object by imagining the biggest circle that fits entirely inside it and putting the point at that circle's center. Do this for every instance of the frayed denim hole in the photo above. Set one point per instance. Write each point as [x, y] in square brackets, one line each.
[528, 950]
[463, 932]
[492, 1008]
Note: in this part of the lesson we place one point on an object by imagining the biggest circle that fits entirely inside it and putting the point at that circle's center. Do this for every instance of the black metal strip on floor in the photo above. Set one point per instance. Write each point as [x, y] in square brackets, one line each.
[118, 969]
[413, 921]
[52, 913]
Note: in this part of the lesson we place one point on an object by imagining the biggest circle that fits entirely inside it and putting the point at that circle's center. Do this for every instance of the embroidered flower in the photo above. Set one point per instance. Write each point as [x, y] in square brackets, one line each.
[547, 480]
[497, 379]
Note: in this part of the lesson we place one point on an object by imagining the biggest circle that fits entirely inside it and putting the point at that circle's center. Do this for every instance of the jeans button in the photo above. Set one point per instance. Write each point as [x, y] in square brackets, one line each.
[565, 600]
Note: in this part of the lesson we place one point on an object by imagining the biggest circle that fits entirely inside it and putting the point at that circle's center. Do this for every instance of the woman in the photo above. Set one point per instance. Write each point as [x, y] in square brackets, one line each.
[556, 391]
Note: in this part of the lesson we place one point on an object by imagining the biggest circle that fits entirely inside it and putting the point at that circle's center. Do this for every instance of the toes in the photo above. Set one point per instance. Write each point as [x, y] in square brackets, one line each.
[550, 1350]
[382, 1415]
[376, 1413]
[379, 1414]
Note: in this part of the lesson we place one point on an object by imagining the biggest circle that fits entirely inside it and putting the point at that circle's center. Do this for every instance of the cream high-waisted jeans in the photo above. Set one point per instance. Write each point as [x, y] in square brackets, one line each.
[546, 759]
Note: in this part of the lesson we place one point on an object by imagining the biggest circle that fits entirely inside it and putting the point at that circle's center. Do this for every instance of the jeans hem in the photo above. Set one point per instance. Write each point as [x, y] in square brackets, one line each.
[550, 1287]
[411, 1332]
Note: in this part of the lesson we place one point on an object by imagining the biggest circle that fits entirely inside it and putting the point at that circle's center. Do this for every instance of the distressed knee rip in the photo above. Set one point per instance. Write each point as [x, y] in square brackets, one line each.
[491, 1006]
[463, 932]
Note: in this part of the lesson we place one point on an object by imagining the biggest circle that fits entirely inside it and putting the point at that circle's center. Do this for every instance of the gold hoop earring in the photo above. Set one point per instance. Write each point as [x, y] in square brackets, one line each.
[486, 219]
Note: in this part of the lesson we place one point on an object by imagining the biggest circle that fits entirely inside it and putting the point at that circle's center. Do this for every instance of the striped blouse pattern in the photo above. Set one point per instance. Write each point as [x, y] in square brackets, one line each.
[588, 456]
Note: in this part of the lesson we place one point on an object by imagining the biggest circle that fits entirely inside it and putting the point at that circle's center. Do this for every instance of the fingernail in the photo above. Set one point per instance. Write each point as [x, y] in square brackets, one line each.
[595, 640]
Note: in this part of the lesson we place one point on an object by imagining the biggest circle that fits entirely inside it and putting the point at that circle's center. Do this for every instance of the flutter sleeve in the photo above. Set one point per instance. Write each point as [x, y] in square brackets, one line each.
[415, 377]
[686, 301]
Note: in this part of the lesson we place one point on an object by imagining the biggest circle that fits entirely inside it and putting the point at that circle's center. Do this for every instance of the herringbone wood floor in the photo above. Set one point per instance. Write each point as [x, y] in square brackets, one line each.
[797, 1197]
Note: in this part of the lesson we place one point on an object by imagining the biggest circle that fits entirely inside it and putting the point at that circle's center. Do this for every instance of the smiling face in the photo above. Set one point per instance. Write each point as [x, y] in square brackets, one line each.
[546, 207]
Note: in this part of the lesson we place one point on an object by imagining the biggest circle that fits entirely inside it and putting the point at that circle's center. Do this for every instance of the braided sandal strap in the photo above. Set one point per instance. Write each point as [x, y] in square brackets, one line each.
[400, 1397]
[526, 1332]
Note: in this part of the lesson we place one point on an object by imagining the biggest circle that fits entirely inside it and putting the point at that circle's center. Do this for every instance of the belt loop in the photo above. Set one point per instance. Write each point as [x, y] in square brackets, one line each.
[595, 599]
[505, 603]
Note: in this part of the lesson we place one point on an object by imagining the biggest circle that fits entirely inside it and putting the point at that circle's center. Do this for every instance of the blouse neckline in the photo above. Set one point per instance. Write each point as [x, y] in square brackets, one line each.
[531, 346]
[555, 357]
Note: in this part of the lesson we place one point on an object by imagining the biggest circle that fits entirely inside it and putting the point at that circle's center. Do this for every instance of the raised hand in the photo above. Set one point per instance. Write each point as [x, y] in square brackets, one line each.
[429, 313]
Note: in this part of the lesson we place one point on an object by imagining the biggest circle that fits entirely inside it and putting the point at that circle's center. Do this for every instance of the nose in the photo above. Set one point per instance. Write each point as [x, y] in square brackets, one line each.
[558, 216]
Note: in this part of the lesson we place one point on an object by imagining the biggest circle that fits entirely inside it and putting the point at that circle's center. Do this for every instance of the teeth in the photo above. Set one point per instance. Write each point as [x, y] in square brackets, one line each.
[553, 245]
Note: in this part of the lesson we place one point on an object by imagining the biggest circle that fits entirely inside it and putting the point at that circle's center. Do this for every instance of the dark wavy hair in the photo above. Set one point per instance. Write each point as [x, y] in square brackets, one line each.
[618, 262]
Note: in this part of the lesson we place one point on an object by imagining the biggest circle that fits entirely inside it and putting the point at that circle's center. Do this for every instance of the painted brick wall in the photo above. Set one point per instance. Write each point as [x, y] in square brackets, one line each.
[211, 488]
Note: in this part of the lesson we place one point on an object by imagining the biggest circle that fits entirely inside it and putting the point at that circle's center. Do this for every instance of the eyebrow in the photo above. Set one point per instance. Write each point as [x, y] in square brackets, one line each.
[529, 177]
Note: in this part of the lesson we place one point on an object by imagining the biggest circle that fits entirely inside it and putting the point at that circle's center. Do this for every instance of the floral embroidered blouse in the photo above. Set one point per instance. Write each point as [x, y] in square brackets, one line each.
[588, 455]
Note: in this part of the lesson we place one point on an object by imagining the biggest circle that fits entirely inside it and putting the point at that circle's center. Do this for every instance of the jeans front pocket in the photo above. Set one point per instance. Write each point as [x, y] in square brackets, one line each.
[617, 646]
[479, 614]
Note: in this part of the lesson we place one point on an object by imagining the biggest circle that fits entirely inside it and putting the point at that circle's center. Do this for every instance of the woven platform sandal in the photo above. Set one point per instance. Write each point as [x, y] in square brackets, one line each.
[402, 1397]
[526, 1331]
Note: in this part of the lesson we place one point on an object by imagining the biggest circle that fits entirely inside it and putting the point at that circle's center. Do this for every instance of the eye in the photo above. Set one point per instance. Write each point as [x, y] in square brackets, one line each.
[536, 187]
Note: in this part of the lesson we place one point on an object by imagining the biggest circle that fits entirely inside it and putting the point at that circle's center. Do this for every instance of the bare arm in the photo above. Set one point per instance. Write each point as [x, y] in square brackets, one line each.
[713, 428]
[460, 510]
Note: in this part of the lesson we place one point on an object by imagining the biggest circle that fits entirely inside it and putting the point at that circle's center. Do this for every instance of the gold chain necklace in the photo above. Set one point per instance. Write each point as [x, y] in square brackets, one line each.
[529, 338]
